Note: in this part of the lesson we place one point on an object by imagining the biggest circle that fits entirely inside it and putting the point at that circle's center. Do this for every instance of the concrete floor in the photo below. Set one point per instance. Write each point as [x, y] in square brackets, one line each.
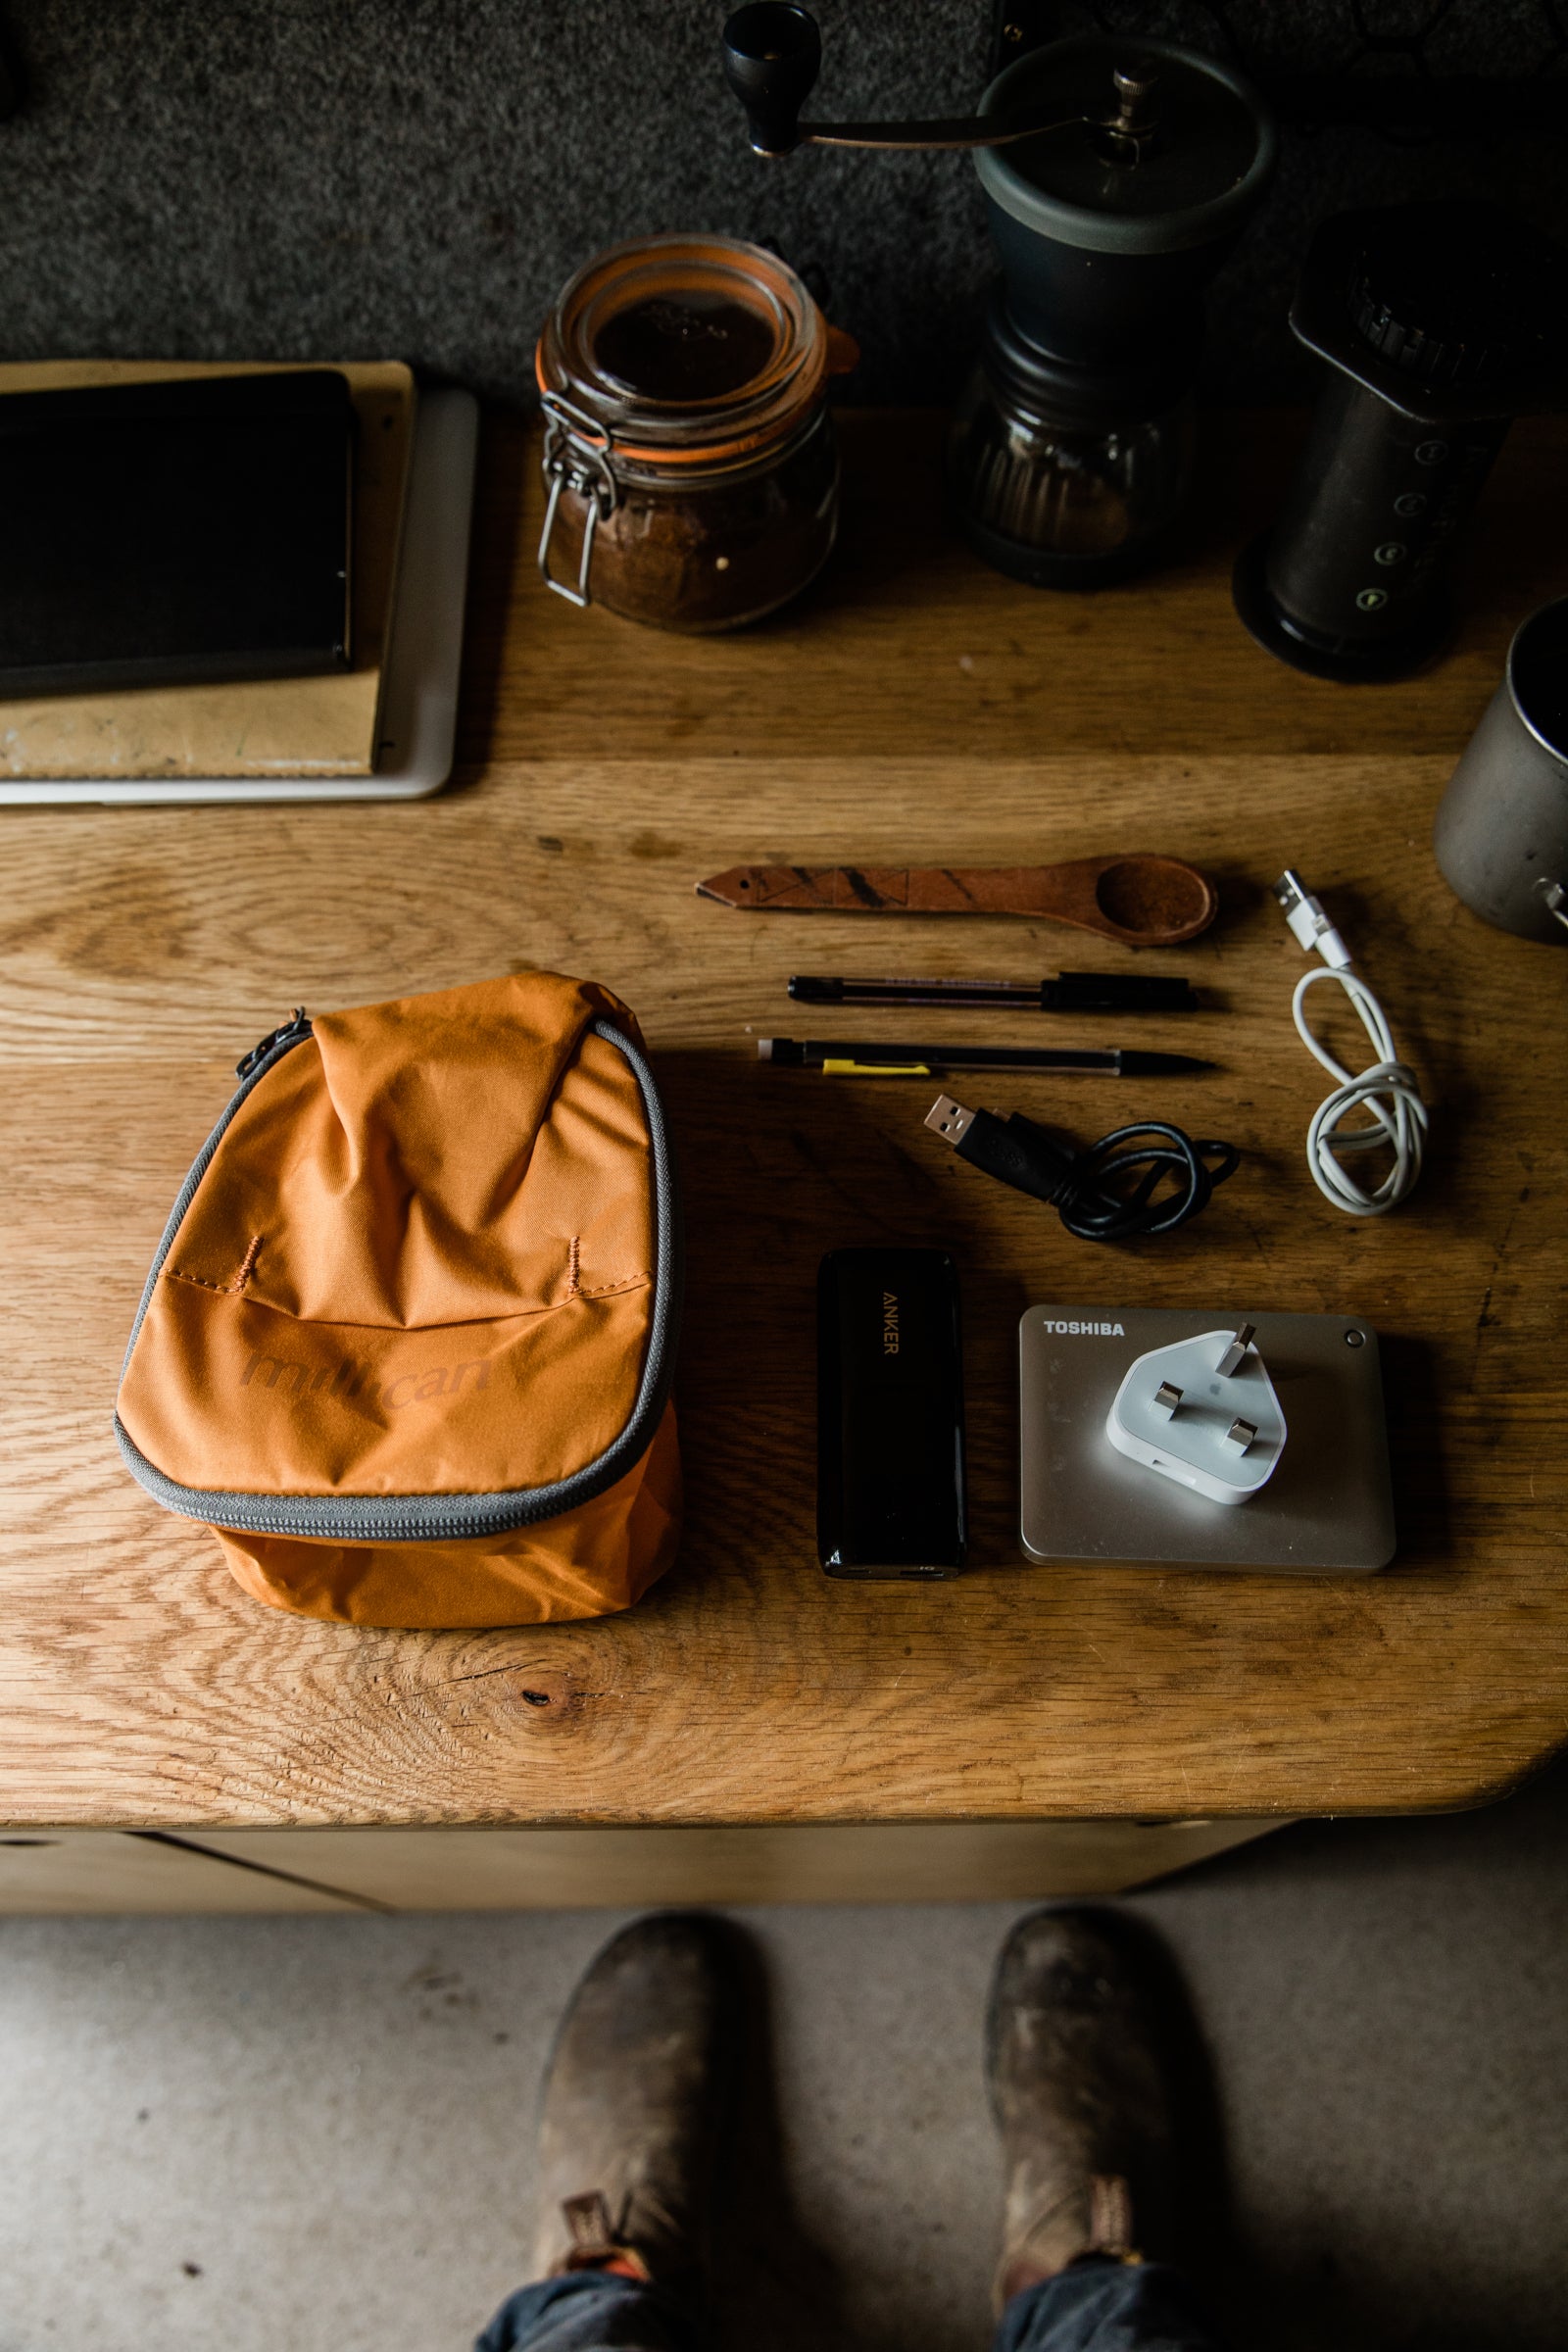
[316, 2133]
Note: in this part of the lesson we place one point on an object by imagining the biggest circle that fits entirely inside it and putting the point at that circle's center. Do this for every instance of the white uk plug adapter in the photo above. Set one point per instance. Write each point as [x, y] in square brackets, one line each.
[1204, 1412]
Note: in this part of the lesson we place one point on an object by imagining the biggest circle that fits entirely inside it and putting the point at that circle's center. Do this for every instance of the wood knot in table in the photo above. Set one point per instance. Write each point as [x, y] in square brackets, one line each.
[543, 1699]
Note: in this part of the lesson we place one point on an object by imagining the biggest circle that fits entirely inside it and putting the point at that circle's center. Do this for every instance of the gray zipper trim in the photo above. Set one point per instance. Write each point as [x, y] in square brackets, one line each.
[425, 1518]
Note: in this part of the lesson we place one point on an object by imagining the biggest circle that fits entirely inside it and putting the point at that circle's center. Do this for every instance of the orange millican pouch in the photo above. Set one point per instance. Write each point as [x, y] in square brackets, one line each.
[408, 1341]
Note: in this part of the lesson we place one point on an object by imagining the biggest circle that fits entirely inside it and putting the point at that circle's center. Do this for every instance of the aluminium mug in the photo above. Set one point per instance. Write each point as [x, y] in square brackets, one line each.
[1501, 831]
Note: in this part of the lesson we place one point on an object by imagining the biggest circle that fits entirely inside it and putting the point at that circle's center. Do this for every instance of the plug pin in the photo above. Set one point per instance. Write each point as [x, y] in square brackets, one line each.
[1230, 1363]
[1240, 1434]
[1167, 1397]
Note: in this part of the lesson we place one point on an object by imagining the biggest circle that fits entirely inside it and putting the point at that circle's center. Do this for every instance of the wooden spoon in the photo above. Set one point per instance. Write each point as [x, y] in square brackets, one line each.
[1142, 899]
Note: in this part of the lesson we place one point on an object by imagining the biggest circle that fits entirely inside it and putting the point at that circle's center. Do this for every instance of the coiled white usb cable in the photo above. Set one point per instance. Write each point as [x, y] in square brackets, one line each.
[1386, 1088]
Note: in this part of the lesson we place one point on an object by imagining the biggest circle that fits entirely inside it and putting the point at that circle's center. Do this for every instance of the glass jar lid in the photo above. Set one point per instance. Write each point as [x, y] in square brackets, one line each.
[689, 350]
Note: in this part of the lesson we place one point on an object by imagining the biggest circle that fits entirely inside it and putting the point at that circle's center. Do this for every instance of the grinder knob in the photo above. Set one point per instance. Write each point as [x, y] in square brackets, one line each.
[772, 56]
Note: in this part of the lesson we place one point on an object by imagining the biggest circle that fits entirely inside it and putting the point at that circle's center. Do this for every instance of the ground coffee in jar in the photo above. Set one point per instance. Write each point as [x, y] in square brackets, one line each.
[690, 475]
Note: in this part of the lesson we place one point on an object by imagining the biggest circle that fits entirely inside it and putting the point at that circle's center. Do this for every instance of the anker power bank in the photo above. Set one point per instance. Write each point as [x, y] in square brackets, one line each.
[176, 532]
[890, 1474]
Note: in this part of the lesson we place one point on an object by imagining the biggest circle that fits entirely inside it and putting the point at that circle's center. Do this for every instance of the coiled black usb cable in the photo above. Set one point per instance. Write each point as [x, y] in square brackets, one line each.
[1099, 1195]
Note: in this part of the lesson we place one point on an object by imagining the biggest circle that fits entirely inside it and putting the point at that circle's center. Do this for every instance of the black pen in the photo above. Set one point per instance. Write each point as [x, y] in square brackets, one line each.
[871, 1057]
[1068, 991]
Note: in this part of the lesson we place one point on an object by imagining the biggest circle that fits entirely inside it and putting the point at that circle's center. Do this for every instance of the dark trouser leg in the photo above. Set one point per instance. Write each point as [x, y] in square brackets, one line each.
[1096, 2306]
[1106, 2306]
[590, 2311]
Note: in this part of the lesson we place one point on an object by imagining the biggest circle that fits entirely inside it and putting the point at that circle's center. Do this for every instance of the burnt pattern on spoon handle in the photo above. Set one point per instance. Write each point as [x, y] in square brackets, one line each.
[1140, 898]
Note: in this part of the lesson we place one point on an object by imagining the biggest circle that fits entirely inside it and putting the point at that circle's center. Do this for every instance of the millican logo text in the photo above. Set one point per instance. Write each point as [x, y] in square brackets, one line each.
[352, 1383]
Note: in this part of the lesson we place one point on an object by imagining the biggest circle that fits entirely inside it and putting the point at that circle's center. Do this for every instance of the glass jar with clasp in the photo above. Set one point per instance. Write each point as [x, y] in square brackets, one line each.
[690, 470]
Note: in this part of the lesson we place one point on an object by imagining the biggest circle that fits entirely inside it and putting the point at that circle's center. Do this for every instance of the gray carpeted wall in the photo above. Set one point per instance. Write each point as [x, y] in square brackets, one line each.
[418, 178]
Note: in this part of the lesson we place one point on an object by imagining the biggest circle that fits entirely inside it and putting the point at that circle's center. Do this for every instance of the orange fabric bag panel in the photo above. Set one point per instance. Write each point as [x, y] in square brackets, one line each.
[408, 1341]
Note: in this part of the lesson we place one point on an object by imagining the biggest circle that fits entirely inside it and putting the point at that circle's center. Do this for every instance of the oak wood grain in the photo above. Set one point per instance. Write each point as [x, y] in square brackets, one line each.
[918, 708]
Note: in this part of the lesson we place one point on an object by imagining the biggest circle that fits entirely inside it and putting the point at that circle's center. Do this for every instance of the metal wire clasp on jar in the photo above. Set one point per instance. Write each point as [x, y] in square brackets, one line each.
[576, 456]
[689, 463]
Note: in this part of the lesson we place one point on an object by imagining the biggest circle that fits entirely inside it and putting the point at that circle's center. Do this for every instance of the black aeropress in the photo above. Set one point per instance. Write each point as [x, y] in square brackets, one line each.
[1441, 322]
[1119, 173]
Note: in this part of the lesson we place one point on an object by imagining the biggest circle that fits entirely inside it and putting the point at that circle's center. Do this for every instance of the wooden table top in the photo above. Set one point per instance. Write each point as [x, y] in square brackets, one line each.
[915, 708]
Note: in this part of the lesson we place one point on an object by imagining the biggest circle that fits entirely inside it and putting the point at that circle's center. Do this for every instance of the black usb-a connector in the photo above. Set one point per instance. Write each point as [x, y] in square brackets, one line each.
[1099, 1195]
[1014, 1151]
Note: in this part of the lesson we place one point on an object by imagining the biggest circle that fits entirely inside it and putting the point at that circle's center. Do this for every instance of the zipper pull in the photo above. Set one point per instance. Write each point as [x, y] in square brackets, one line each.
[297, 1027]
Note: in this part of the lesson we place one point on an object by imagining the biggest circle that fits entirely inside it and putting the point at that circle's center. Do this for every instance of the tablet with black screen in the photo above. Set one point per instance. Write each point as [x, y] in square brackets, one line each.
[162, 534]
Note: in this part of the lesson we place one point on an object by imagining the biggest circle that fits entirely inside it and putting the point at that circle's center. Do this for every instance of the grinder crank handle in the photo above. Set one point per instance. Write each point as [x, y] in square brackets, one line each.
[773, 53]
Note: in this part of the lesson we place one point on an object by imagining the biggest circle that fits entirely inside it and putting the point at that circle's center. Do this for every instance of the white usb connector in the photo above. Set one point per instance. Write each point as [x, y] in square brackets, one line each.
[1386, 1090]
[1308, 922]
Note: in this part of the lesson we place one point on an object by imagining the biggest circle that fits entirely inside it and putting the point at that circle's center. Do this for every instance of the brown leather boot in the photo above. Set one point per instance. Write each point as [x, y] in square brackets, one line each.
[633, 2102]
[1079, 2088]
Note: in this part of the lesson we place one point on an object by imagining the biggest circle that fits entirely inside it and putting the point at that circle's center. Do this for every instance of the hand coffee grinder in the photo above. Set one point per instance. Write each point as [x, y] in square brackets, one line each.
[1118, 175]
